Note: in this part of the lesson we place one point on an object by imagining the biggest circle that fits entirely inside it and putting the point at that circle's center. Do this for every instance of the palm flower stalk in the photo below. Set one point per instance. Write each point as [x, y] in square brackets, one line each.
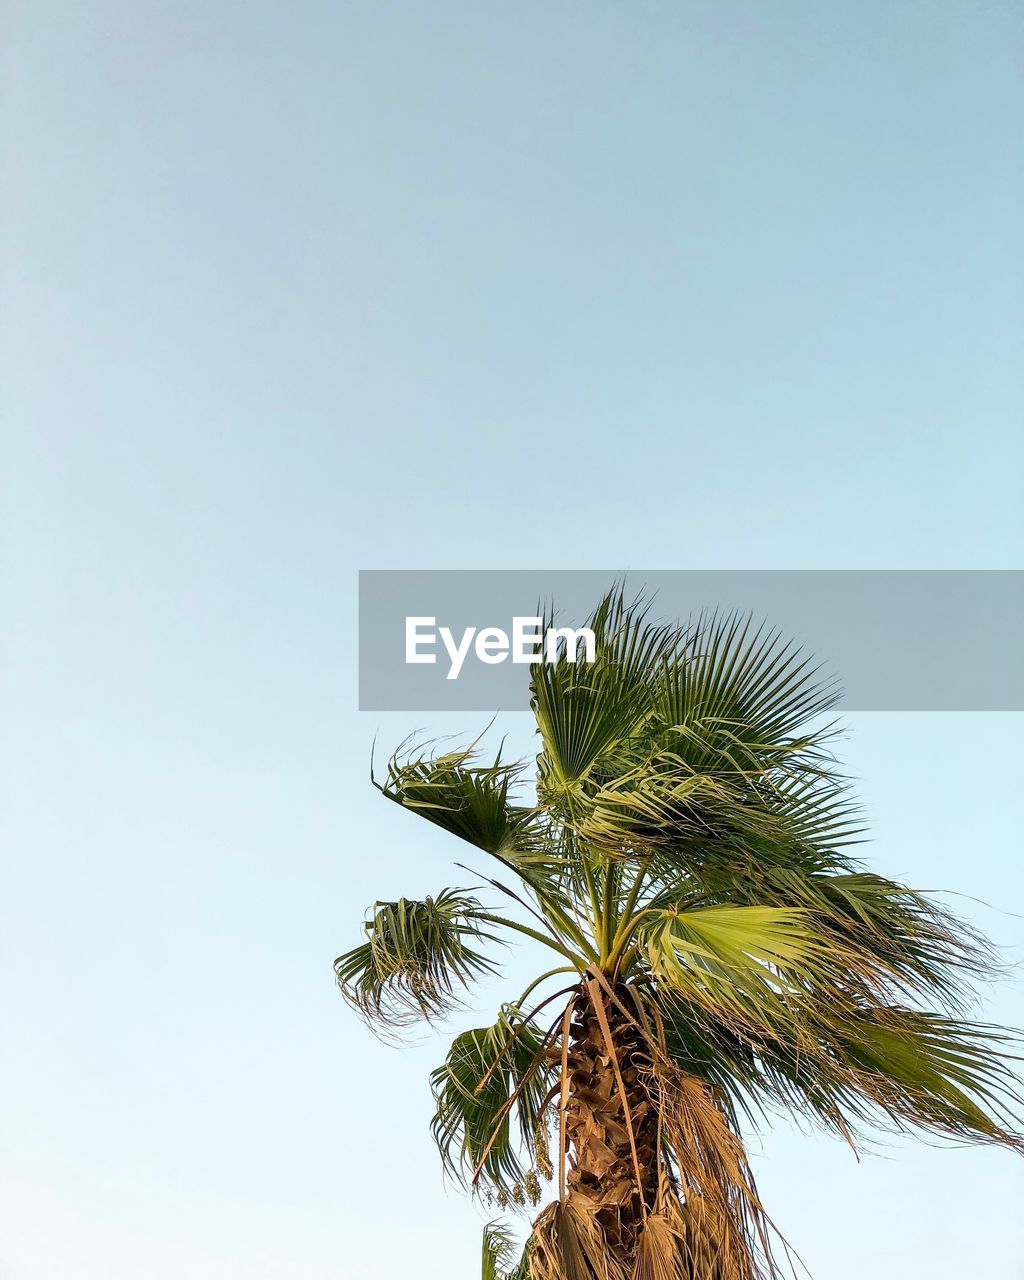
[717, 953]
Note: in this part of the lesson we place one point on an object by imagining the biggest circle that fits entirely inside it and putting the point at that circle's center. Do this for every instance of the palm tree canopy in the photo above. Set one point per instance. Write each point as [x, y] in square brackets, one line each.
[685, 859]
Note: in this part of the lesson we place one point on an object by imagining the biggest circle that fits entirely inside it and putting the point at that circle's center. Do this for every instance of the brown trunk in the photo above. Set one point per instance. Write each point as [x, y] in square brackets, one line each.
[702, 1220]
[602, 1173]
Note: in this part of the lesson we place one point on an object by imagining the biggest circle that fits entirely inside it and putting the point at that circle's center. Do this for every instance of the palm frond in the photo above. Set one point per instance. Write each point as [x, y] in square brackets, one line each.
[585, 713]
[569, 1245]
[498, 1252]
[490, 1097]
[521, 1270]
[416, 958]
[697, 824]
[752, 963]
[910, 944]
[951, 1078]
[473, 801]
[712, 1220]
[738, 696]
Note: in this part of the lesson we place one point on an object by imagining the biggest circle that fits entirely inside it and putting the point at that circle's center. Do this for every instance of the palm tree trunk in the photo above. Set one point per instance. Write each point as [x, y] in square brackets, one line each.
[611, 1124]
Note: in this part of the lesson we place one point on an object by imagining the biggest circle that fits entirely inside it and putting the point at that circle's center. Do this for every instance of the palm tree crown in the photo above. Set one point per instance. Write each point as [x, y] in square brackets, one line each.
[716, 952]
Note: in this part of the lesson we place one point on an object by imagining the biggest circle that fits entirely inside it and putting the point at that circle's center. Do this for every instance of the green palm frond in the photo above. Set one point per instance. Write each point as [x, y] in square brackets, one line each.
[416, 957]
[820, 816]
[910, 943]
[707, 1047]
[521, 1270]
[729, 763]
[498, 1252]
[471, 800]
[754, 964]
[875, 1067]
[935, 1073]
[475, 802]
[698, 824]
[502, 1259]
[737, 696]
[490, 1095]
[586, 713]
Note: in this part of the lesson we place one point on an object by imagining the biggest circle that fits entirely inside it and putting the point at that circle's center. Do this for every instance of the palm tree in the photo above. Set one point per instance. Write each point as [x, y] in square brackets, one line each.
[716, 953]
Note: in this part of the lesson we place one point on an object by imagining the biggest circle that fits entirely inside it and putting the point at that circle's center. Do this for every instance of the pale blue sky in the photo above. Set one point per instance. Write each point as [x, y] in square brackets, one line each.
[291, 290]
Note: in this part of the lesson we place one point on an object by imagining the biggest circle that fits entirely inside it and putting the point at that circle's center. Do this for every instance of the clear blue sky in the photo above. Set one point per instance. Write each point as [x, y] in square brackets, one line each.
[290, 290]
